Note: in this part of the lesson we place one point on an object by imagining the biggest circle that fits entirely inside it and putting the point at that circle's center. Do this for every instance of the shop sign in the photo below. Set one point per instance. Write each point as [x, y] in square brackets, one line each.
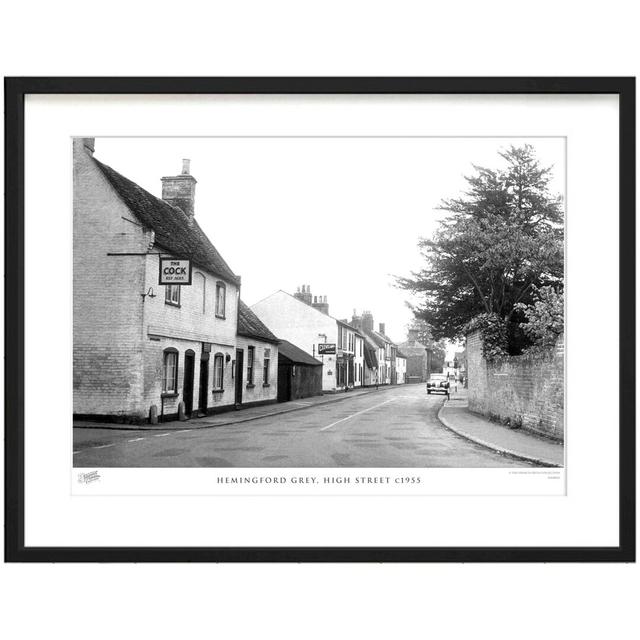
[326, 349]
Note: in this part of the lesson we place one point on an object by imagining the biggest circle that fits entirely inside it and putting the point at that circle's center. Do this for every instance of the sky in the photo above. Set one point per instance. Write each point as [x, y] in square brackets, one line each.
[343, 215]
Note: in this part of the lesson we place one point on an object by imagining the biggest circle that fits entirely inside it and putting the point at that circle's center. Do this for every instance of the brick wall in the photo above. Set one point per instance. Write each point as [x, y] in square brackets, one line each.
[525, 391]
[107, 305]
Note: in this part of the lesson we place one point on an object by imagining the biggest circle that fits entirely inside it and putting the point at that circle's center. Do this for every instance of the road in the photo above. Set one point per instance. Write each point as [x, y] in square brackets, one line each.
[396, 427]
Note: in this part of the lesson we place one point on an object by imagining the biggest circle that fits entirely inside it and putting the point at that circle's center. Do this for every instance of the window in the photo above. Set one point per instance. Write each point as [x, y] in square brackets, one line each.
[170, 371]
[343, 338]
[200, 287]
[250, 359]
[265, 366]
[172, 294]
[218, 372]
[221, 294]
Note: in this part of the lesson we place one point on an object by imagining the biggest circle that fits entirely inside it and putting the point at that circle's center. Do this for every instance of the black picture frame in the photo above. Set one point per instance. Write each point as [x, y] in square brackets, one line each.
[15, 91]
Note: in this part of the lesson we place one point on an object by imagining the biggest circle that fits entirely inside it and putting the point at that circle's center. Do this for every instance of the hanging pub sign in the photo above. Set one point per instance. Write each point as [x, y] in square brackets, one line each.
[326, 349]
[175, 271]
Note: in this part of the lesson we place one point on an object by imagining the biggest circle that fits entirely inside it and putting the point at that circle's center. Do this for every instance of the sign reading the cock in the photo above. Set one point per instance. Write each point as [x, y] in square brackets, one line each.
[175, 271]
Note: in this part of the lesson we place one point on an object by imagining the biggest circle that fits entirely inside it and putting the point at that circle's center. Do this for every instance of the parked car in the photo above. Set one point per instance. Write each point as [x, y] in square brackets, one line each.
[438, 383]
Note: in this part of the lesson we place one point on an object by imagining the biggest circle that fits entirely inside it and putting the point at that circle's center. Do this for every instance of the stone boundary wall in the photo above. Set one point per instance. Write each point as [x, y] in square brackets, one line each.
[522, 391]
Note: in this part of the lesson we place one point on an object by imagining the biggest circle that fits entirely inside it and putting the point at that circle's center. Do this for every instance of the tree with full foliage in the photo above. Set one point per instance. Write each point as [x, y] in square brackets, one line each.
[501, 241]
[544, 318]
[438, 354]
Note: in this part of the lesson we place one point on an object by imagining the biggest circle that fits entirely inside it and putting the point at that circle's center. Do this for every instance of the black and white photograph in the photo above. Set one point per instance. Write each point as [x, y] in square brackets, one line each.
[320, 320]
[368, 319]
[318, 302]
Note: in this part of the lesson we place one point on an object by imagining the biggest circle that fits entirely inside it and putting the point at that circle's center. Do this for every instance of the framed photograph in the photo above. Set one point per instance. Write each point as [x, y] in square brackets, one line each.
[320, 319]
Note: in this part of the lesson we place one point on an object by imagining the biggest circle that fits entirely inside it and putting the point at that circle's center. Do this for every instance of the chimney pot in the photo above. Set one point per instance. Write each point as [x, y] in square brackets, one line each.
[185, 166]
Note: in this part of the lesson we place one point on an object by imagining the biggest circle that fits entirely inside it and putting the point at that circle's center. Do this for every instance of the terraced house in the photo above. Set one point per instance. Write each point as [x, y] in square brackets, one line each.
[140, 348]
[304, 320]
[380, 351]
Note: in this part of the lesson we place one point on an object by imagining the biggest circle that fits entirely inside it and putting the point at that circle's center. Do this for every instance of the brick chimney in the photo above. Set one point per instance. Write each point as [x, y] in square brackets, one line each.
[304, 294]
[367, 320]
[356, 320]
[413, 335]
[381, 328]
[320, 303]
[180, 191]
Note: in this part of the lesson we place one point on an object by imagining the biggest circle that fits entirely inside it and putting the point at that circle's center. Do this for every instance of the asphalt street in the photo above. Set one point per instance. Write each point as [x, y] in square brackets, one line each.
[395, 427]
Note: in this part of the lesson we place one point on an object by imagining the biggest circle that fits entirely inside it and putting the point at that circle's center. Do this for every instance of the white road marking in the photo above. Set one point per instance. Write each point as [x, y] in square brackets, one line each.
[103, 446]
[135, 440]
[160, 435]
[304, 404]
[184, 431]
[353, 415]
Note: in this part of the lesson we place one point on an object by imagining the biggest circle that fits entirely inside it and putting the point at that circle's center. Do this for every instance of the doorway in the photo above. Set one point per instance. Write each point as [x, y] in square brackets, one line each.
[203, 399]
[239, 372]
[187, 386]
[284, 382]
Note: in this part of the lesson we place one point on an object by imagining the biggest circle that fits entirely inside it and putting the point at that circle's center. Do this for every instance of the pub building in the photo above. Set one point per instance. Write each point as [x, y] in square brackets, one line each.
[143, 350]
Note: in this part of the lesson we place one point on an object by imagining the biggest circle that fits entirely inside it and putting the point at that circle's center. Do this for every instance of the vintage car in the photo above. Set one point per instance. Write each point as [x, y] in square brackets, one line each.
[438, 383]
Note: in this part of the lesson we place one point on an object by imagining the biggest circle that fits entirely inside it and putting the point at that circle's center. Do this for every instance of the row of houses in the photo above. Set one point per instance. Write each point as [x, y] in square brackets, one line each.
[142, 350]
[351, 352]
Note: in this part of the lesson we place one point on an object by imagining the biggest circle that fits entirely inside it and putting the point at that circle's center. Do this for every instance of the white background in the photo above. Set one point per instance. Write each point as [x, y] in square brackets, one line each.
[587, 516]
[369, 38]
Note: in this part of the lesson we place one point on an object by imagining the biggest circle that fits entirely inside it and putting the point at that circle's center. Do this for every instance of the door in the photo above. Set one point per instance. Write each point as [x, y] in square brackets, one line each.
[284, 383]
[239, 374]
[203, 399]
[187, 387]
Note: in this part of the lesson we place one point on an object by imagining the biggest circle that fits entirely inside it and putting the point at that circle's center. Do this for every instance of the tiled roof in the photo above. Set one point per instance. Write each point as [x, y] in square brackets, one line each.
[251, 326]
[370, 357]
[172, 227]
[376, 338]
[399, 354]
[295, 354]
[385, 337]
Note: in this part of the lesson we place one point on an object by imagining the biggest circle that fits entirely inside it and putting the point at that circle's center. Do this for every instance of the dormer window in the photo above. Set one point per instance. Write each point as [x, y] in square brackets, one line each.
[221, 295]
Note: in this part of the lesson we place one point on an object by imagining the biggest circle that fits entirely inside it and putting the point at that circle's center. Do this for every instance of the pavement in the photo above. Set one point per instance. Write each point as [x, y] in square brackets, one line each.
[395, 426]
[233, 417]
[517, 443]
